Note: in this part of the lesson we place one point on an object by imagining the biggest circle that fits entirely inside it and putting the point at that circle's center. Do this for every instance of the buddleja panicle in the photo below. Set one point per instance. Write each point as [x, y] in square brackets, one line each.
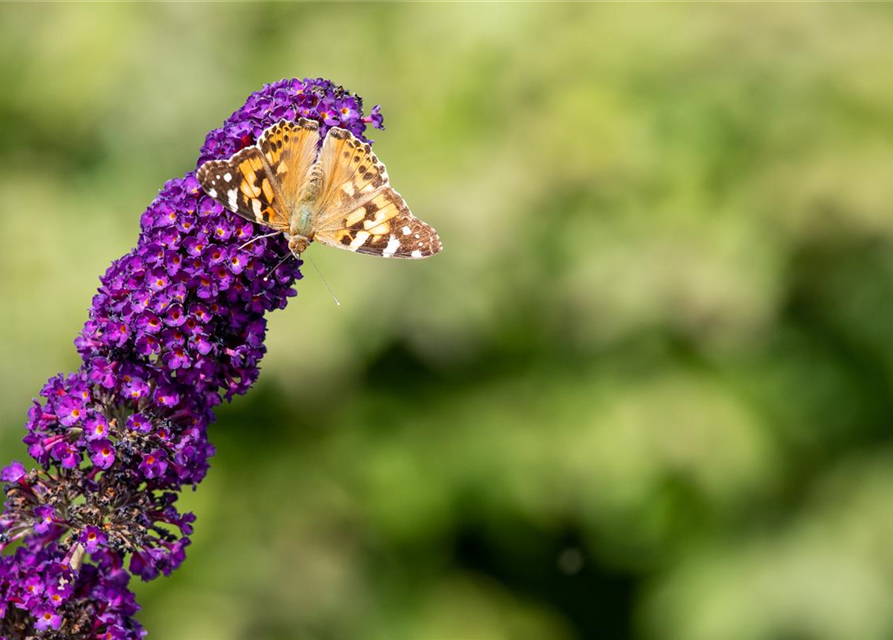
[176, 327]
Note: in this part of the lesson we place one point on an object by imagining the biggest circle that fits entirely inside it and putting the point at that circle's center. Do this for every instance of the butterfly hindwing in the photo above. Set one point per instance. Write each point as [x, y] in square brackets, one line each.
[383, 226]
[290, 149]
[357, 208]
[350, 174]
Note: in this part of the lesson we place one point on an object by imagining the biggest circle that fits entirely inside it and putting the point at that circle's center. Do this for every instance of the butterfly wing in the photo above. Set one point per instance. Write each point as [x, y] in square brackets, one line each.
[262, 182]
[238, 184]
[356, 207]
[383, 226]
[290, 149]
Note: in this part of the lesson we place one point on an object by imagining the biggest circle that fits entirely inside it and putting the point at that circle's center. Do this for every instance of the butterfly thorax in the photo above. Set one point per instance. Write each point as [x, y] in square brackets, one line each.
[301, 223]
[300, 232]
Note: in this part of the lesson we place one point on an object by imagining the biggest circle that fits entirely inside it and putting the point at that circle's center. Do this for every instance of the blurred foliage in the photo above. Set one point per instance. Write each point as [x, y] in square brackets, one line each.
[644, 393]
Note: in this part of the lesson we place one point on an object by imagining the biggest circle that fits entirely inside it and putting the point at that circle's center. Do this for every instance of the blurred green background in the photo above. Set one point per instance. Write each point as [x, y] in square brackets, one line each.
[644, 393]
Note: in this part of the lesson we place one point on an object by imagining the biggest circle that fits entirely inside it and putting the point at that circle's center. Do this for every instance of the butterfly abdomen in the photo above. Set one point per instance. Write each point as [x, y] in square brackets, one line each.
[313, 187]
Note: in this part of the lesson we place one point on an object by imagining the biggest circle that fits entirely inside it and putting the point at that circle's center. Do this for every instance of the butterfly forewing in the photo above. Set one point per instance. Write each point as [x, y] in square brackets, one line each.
[261, 183]
[237, 184]
[383, 226]
[358, 209]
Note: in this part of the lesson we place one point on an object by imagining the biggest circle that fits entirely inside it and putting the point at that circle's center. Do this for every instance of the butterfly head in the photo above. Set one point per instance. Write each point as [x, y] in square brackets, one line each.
[298, 244]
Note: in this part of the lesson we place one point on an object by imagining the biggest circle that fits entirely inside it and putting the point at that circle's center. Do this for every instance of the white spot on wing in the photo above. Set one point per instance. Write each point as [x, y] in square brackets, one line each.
[391, 249]
[359, 240]
[406, 231]
[212, 193]
[416, 254]
[231, 195]
[255, 206]
[227, 176]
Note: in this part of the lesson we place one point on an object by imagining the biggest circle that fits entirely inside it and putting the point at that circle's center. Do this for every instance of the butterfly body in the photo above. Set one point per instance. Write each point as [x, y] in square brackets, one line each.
[302, 221]
[339, 196]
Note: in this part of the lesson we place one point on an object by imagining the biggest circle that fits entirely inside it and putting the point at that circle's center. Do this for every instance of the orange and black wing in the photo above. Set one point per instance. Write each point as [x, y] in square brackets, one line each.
[357, 208]
[262, 182]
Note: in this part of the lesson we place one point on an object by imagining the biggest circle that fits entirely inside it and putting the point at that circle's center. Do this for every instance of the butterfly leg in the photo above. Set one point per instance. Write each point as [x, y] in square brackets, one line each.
[256, 238]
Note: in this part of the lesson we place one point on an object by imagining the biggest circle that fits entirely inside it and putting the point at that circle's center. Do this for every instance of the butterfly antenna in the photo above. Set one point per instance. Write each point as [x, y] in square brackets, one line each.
[256, 238]
[279, 264]
[322, 277]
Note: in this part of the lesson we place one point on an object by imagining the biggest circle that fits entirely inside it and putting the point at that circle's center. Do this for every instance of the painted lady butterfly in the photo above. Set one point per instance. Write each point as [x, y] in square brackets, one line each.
[340, 197]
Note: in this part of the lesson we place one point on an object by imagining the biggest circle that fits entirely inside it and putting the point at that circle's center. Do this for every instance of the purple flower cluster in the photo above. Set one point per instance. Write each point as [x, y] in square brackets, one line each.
[176, 326]
[319, 99]
[48, 598]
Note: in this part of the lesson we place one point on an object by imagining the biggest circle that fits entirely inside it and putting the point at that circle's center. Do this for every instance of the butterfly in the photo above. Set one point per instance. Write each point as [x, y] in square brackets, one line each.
[339, 196]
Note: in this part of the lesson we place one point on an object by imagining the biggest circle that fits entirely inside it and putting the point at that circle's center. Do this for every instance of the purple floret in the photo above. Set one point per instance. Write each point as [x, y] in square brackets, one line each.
[13, 471]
